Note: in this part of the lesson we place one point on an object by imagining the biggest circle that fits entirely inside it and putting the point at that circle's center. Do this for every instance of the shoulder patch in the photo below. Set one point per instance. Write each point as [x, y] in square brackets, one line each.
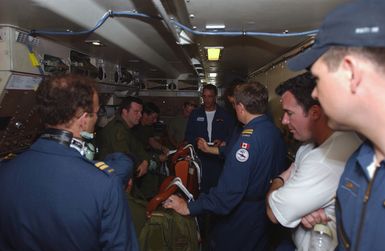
[245, 145]
[242, 155]
[247, 132]
[102, 166]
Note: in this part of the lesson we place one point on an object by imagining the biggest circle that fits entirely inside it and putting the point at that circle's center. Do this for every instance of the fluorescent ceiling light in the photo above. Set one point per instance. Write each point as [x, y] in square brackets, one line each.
[94, 42]
[213, 53]
[215, 26]
[212, 74]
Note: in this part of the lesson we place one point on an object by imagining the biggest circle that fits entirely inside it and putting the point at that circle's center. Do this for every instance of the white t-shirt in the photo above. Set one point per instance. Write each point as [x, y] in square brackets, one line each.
[210, 117]
[372, 167]
[312, 185]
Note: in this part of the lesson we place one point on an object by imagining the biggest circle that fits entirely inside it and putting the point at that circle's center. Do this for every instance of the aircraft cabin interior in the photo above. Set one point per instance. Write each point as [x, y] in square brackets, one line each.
[162, 55]
[156, 49]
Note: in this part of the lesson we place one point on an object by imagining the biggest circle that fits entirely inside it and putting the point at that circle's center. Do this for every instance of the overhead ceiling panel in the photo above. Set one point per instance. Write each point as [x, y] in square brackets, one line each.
[144, 43]
[243, 55]
[149, 45]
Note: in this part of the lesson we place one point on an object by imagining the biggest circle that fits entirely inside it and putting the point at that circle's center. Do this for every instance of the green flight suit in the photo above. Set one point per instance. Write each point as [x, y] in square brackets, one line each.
[144, 133]
[116, 136]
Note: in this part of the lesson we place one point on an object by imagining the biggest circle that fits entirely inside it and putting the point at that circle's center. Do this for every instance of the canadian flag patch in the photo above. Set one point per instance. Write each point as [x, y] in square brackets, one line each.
[245, 145]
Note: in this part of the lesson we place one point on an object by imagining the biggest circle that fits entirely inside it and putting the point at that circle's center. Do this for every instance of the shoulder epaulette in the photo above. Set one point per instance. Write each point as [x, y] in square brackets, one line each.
[102, 166]
[247, 131]
[9, 156]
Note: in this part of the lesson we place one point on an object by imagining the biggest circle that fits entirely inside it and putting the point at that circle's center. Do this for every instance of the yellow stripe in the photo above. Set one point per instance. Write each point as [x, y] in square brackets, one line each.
[103, 167]
[99, 164]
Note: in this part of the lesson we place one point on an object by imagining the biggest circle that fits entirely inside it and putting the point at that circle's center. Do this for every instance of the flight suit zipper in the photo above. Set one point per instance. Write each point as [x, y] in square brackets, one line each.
[363, 212]
[340, 228]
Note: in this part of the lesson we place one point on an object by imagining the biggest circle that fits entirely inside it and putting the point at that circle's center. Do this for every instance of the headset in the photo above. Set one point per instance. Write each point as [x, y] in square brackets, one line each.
[66, 138]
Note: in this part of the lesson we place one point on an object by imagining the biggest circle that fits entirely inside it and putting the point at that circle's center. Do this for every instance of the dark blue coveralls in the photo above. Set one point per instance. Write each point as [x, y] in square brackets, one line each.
[360, 204]
[222, 127]
[257, 156]
[52, 198]
[225, 150]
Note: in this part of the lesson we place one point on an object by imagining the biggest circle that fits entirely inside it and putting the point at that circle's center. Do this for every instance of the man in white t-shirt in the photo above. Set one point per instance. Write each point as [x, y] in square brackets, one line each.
[311, 181]
[215, 125]
[212, 123]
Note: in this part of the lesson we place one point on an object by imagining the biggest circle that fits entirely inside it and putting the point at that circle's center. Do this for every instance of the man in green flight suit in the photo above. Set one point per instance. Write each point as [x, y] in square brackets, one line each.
[117, 135]
[145, 132]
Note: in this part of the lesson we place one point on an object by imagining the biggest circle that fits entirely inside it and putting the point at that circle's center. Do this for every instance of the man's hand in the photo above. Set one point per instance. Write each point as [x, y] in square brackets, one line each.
[217, 142]
[178, 204]
[314, 218]
[162, 157]
[129, 186]
[142, 168]
[202, 145]
[164, 150]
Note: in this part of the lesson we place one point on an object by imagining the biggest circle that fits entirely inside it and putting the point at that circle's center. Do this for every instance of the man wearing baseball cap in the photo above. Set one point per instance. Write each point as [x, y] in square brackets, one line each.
[348, 63]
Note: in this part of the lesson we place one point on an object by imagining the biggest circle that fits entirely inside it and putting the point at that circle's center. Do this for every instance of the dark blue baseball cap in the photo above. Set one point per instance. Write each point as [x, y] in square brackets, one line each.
[123, 164]
[356, 24]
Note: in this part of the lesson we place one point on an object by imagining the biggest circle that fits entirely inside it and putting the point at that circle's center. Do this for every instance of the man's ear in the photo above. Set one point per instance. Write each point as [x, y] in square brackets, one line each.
[83, 120]
[124, 111]
[315, 112]
[242, 107]
[353, 74]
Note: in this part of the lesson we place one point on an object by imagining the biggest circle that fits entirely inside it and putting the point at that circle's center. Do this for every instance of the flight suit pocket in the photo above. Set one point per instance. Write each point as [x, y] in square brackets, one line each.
[349, 186]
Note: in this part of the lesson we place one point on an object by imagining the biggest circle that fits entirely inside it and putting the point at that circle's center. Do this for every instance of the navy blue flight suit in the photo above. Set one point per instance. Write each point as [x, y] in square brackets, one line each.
[52, 198]
[225, 150]
[222, 127]
[360, 203]
[258, 155]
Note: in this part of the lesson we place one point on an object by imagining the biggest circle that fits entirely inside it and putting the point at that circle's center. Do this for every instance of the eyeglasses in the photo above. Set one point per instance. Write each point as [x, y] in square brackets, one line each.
[101, 111]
